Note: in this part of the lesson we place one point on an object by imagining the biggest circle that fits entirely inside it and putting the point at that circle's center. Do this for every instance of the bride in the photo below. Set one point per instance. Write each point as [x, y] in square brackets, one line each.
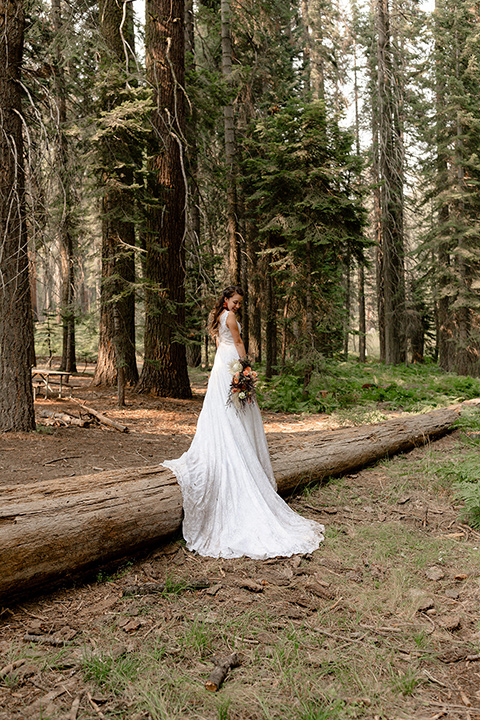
[231, 507]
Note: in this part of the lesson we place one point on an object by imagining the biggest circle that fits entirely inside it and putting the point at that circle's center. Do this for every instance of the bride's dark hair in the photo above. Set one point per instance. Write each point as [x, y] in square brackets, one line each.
[219, 307]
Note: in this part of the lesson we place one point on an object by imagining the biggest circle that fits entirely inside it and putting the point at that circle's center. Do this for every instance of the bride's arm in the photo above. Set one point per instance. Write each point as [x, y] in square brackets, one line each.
[233, 327]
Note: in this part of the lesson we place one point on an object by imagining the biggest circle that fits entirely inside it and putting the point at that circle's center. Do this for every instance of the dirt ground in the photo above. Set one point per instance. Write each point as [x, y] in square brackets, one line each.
[159, 429]
[120, 648]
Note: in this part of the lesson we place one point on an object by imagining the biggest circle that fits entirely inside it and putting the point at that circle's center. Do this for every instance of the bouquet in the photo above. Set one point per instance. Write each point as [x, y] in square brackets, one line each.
[242, 387]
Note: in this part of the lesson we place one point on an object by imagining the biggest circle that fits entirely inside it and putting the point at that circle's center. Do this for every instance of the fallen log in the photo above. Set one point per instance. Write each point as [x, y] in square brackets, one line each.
[102, 418]
[64, 418]
[53, 530]
[346, 449]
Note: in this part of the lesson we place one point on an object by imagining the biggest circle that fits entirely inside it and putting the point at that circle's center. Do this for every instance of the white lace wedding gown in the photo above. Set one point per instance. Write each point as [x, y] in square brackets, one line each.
[231, 507]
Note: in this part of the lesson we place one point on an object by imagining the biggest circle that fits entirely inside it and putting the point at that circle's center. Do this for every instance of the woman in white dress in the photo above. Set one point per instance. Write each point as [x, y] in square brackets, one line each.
[231, 507]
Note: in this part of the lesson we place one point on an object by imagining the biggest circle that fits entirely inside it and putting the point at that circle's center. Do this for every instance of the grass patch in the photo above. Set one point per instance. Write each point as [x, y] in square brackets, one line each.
[112, 673]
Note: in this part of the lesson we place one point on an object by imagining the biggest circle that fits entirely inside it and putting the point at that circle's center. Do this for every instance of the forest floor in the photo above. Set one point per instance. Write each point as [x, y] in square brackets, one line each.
[380, 623]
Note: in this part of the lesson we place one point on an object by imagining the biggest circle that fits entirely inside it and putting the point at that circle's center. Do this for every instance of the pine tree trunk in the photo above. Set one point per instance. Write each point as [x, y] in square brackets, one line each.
[309, 324]
[117, 339]
[116, 342]
[244, 270]
[377, 222]
[32, 266]
[195, 282]
[16, 325]
[348, 292]
[362, 329]
[66, 229]
[230, 150]
[286, 308]
[165, 367]
[257, 297]
[362, 336]
[391, 195]
[415, 323]
[444, 332]
[270, 325]
[467, 350]
[306, 44]
[442, 259]
[317, 65]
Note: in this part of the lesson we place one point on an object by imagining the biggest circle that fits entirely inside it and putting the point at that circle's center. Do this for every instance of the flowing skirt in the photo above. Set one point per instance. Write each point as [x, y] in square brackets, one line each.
[231, 507]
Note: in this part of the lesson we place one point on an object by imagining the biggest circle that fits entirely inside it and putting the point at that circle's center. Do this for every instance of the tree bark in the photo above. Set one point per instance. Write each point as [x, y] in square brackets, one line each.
[66, 229]
[306, 44]
[270, 323]
[362, 330]
[376, 219]
[444, 325]
[54, 530]
[244, 269]
[16, 323]
[348, 301]
[195, 281]
[391, 192]
[466, 350]
[362, 326]
[230, 150]
[165, 366]
[309, 324]
[257, 298]
[313, 47]
[116, 349]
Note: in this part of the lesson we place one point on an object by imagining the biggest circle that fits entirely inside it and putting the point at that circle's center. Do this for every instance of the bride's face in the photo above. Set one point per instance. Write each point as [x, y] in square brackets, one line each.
[234, 303]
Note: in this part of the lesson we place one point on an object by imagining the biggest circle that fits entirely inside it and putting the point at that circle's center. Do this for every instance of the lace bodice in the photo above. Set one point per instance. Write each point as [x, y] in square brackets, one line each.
[224, 334]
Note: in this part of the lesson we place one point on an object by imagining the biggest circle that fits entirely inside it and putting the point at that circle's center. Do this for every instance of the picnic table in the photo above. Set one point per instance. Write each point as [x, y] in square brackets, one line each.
[44, 375]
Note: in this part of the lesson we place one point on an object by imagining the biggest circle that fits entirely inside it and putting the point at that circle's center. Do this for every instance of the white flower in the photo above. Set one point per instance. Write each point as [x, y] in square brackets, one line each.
[235, 366]
[242, 395]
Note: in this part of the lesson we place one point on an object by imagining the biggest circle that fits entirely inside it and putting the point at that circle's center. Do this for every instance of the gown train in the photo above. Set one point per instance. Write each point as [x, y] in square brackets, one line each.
[231, 507]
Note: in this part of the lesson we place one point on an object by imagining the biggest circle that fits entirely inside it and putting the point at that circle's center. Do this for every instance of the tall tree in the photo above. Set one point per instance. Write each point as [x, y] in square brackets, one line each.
[370, 41]
[230, 149]
[16, 326]
[306, 201]
[362, 354]
[165, 368]
[66, 200]
[391, 172]
[120, 157]
[454, 237]
[195, 277]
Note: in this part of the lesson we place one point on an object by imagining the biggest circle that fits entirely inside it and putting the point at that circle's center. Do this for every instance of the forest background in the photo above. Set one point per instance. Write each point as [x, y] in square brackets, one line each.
[322, 154]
